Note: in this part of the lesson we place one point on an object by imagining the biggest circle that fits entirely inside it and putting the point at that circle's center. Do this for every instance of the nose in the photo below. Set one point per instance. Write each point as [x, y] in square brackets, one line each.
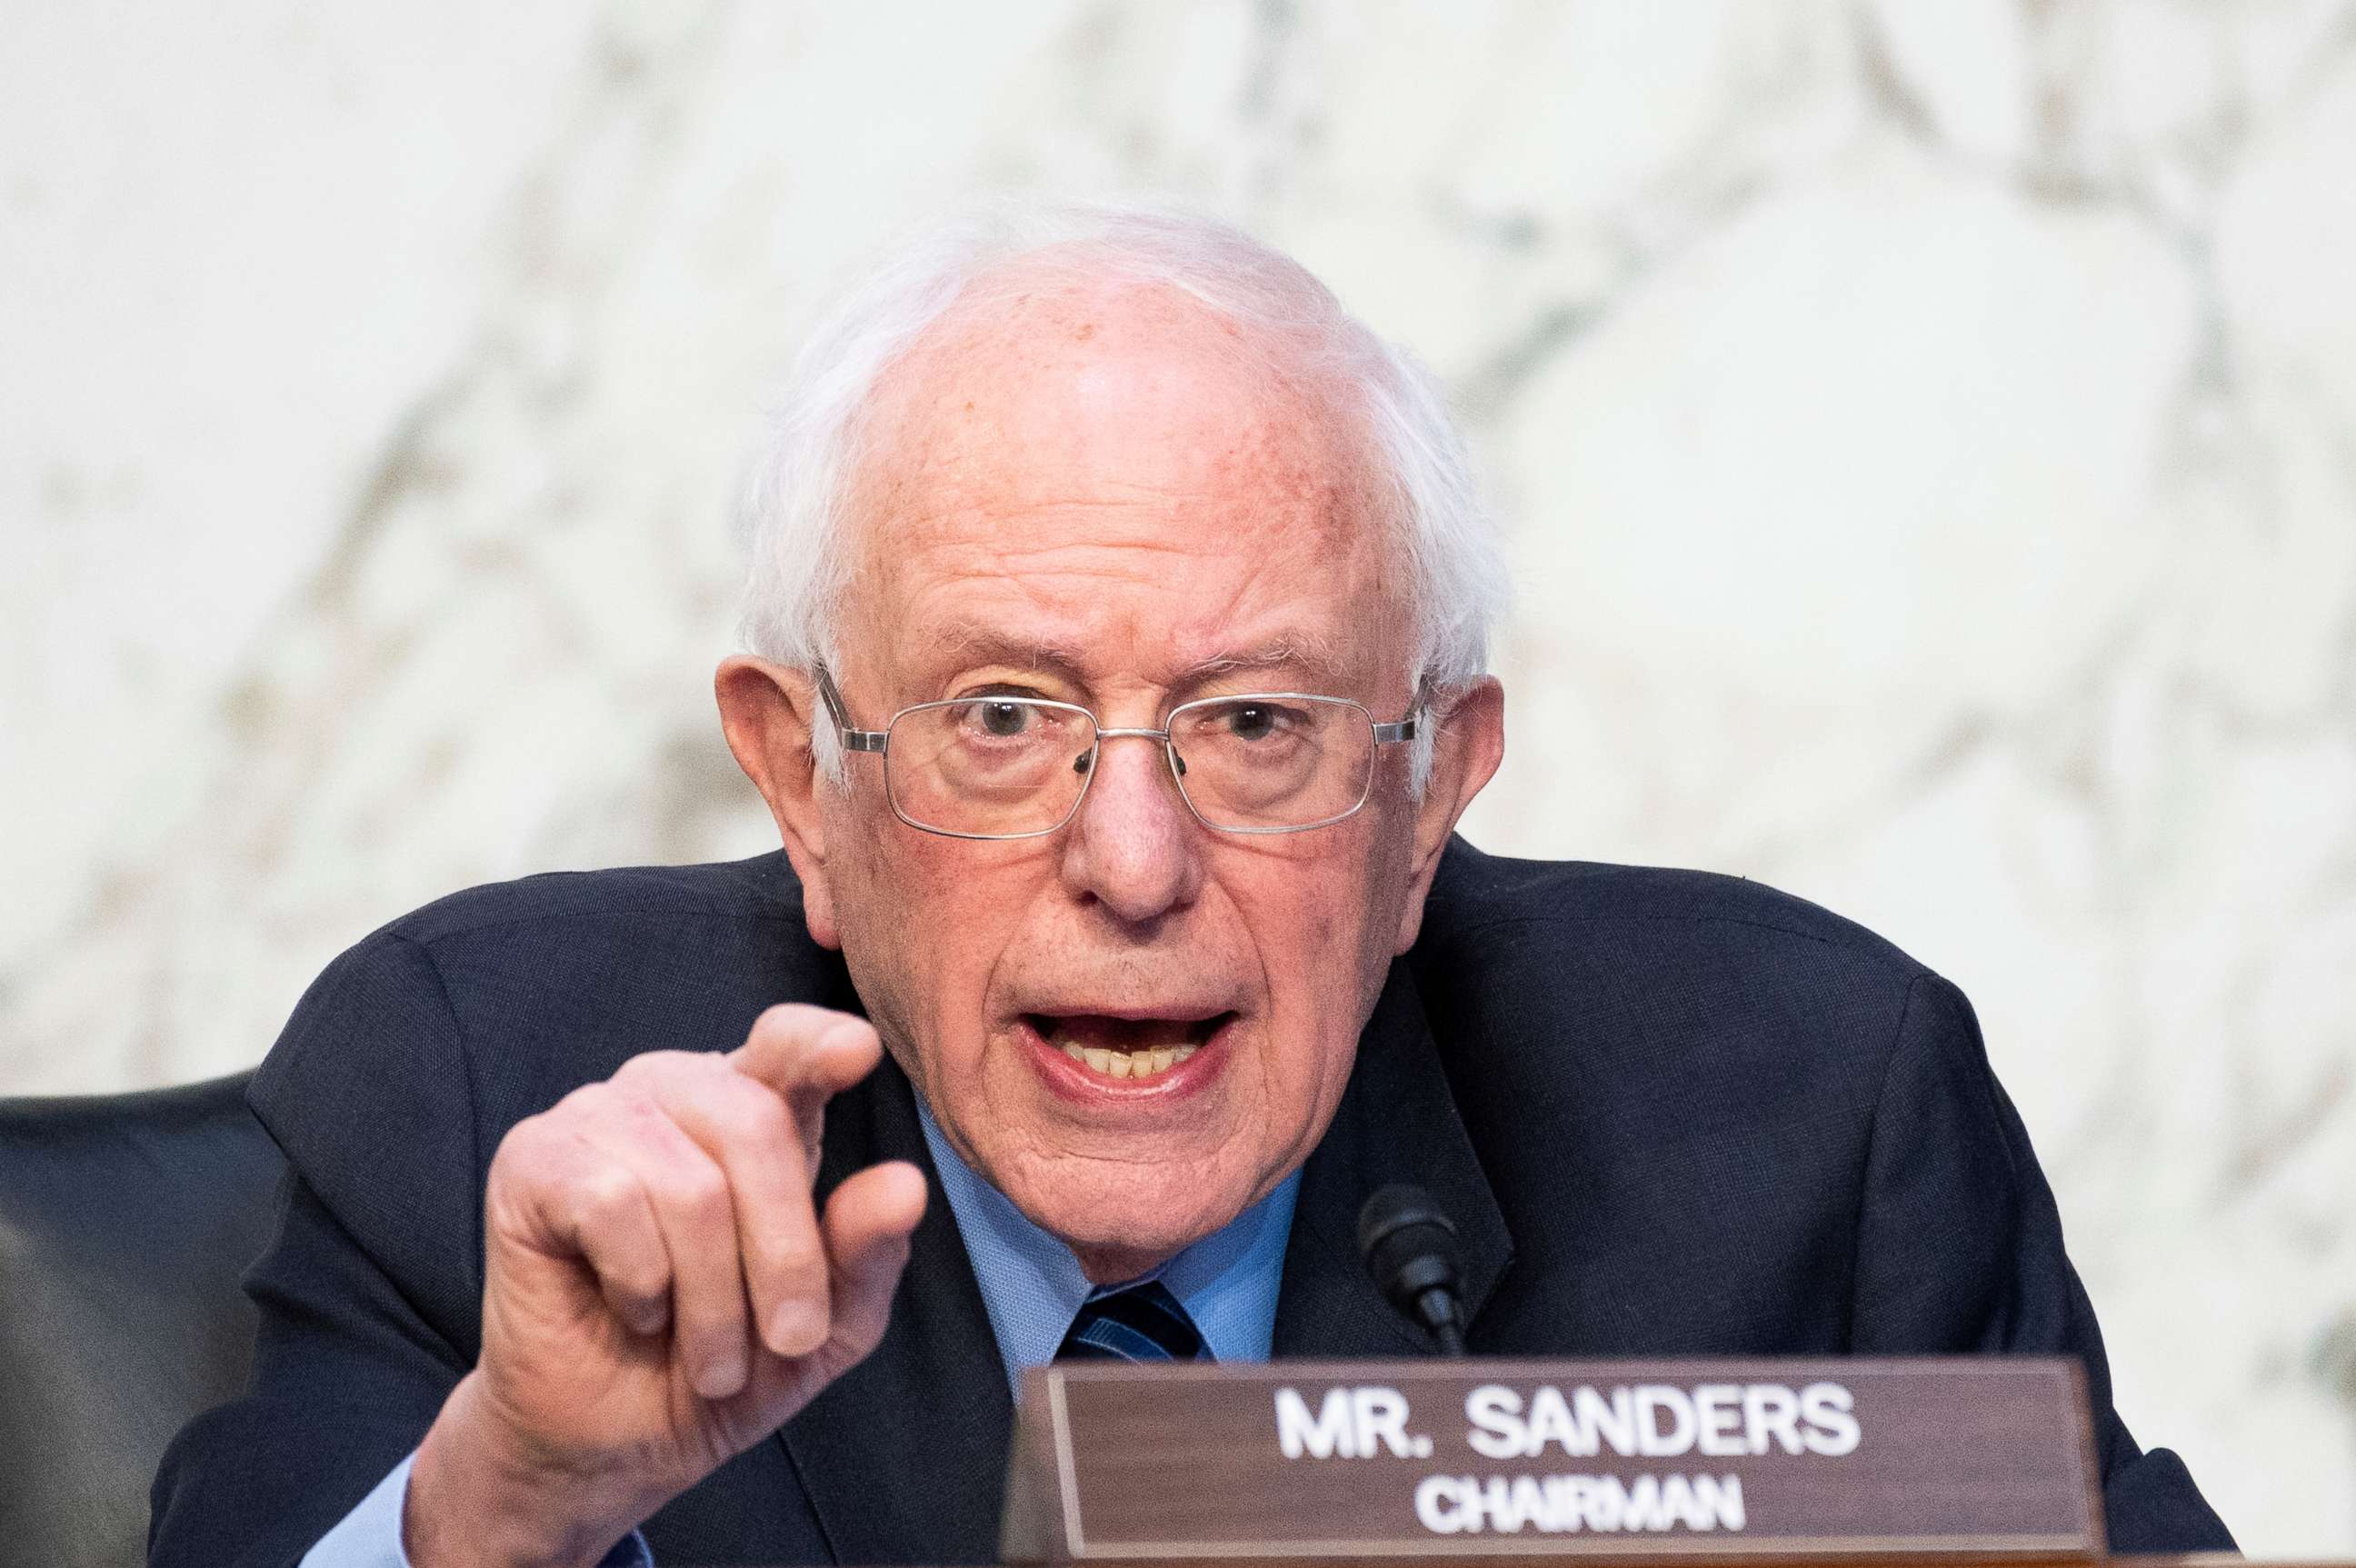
[1133, 846]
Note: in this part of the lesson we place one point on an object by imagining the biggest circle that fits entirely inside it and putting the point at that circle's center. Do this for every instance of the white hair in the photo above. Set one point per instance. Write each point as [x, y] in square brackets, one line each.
[795, 501]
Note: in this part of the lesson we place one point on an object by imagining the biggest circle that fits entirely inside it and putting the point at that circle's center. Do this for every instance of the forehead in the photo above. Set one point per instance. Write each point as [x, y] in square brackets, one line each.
[1114, 470]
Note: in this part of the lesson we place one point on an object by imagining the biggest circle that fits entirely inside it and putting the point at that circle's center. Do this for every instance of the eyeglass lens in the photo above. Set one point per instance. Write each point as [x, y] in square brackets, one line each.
[1009, 766]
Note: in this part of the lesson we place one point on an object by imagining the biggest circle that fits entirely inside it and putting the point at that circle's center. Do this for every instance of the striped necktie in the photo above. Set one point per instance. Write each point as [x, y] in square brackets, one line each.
[1143, 1322]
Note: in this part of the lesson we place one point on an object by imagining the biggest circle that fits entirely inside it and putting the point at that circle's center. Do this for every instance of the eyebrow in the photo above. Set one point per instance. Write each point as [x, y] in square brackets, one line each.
[1313, 657]
[977, 642]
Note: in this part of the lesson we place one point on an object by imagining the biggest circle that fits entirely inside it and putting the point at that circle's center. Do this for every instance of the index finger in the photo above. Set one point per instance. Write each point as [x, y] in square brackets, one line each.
[807, 1053]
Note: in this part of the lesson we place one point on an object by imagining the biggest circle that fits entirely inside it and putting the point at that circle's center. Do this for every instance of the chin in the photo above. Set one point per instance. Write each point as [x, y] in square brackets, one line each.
[1117, 1211]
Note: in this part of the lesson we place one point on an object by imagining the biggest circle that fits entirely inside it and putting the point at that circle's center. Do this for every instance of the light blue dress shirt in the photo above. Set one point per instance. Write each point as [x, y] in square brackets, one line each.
[1032, 1287]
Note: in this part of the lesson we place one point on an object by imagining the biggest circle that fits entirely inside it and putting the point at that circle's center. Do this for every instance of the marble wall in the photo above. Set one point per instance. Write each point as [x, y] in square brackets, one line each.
[1927, 431]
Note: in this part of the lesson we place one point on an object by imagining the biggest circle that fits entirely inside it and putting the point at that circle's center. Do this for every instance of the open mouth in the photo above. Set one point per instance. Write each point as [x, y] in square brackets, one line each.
[1125, 1047]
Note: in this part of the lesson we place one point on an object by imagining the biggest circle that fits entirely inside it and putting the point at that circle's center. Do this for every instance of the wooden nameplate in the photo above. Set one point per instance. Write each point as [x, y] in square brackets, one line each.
[1986, 1456]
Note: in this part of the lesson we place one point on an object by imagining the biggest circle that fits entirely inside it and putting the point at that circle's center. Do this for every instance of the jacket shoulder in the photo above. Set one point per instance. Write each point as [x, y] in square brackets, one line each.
[760, 889]
[1477, 893]
[1659, 983]
[1671, 1080]
[491, 1004]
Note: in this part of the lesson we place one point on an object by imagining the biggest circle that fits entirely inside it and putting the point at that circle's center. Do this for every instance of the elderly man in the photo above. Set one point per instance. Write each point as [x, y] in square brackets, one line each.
[1121, 606]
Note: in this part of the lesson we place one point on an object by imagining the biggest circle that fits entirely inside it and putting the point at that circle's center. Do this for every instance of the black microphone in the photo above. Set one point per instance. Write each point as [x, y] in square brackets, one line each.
[1410, 1249]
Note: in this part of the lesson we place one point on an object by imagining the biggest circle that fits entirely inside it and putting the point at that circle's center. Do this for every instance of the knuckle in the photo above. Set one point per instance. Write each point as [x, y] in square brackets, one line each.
[649, 1068]
[792, 1242]
[646, 1125]
[643, 1280]
[535, 1153]
[699, 1190]
[800, 1267]
[519, 1149]
[751, 1113]
[589, 1104]
[605, 1193]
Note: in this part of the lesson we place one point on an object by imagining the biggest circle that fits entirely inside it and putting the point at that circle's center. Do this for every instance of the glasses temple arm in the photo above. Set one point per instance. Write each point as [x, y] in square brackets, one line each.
[854, 738]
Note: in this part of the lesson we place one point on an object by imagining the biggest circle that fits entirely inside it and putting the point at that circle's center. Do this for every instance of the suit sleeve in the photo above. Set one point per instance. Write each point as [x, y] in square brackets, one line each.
[369, 1294]
[1959, 1248]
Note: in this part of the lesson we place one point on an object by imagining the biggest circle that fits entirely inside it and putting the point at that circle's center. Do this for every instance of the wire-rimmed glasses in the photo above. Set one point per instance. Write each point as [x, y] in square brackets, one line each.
[995, 766]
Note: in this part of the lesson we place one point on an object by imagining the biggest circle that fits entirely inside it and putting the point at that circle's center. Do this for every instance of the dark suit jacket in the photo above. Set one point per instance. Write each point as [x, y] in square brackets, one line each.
[1671, 1114]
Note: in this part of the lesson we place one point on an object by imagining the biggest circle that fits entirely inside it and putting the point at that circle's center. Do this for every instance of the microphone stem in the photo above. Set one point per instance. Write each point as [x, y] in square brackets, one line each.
[1438, 1307]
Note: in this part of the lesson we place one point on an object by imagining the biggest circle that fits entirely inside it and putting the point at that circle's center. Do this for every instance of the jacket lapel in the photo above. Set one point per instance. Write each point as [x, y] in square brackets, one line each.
[903, 1458]
[1396, 1123]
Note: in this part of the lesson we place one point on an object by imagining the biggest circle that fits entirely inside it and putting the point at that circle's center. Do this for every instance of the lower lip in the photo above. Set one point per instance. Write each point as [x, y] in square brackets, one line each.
[1074, 1081]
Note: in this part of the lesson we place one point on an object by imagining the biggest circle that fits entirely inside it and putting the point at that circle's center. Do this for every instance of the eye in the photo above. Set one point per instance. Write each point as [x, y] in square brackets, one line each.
[1003, 720]
[1253, 721]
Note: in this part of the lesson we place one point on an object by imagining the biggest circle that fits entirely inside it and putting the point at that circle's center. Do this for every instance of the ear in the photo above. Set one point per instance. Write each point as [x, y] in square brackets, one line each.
[1467, 747]
[765, 710]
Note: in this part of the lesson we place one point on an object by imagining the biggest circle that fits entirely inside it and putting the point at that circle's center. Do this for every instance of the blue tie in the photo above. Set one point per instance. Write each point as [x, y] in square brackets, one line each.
[1143, 1322]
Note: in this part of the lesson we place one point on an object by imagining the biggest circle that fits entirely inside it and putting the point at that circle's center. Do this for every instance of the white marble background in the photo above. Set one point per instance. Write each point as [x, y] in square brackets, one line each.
[1927, 430]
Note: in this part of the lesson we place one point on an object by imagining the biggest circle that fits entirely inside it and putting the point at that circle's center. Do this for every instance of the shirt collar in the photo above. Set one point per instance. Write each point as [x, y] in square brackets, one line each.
[1031, 1285]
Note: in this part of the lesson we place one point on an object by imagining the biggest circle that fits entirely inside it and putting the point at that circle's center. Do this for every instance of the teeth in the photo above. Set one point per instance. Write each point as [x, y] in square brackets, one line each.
[1129, 1064]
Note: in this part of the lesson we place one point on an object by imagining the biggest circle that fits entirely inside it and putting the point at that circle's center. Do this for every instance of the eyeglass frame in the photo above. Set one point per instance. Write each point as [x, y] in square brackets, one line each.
[878, 741]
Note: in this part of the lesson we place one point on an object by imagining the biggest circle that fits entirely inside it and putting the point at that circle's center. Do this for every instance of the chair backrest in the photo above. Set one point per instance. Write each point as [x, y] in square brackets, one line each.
[125, 1221]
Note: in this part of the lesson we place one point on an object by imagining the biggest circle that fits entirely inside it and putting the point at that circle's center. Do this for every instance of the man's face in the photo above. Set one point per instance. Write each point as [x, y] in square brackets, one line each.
[1098, 497]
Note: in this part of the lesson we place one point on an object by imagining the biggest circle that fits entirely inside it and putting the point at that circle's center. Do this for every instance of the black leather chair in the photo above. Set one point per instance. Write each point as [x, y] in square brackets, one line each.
[125, 1221]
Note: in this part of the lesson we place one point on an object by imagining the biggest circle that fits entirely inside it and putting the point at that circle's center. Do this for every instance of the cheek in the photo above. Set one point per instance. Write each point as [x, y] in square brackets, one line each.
[1354, 910]
[1327, 955]
[1391, 878]
[924, 924]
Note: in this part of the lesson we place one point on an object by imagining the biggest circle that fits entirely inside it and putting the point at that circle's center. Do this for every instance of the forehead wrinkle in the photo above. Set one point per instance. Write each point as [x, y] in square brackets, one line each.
[1090, 557]
[961, 472]
[999, 373]
[974, 641]
[1096, 514]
